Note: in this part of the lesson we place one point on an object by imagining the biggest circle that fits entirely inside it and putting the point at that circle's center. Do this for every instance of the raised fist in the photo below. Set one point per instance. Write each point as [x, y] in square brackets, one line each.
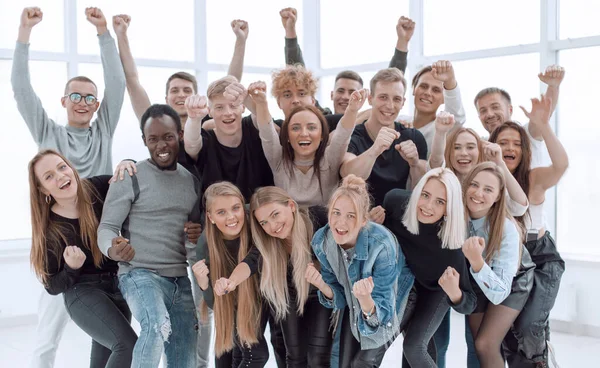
[384, 139]
[357, 100]
[121, 23]
[96, 17]
[313, 275]
[288, 19]
[74, 257]
[493, 152]
[31, 16]
[443, 71]
[236, 93]
[473, 249]
[240, 28]
[409, 152]
[444, 122]
[363, 288]
[405, 28]
[200, 271]
[258, 92]
[196, 106]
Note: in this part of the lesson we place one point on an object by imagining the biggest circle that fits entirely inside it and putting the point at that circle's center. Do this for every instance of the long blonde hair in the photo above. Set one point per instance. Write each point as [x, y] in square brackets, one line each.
[273, 280]
[47, 235]
[453, 230]
[247, 315]
[497, 214]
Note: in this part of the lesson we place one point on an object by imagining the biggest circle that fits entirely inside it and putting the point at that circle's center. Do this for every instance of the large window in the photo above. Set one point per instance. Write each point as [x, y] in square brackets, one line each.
[503, 44]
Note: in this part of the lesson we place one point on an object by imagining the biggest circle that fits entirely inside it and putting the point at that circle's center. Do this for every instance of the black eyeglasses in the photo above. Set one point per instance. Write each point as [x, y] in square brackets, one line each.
[76, 98]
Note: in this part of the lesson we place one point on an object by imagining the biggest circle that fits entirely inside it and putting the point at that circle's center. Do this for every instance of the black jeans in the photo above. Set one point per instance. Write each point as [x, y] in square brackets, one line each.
[97, 306]
[351, 355]
[430, 310]
[255, 356]
[526, 343]
[307, 338]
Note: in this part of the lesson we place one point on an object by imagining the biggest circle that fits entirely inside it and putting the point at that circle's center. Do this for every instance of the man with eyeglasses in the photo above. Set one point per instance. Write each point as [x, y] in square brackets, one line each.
[87, 145]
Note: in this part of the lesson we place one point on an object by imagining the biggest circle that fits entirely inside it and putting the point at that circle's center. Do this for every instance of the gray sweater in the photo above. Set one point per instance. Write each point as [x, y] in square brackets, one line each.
[89, 149]
[153, 222]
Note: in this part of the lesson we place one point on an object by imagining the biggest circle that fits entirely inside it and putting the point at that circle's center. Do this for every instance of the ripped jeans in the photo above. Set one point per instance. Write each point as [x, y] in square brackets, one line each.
[164, 307]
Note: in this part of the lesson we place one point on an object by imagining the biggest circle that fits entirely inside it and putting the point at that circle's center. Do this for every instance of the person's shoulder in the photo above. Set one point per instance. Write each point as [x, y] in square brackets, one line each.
[510, 228]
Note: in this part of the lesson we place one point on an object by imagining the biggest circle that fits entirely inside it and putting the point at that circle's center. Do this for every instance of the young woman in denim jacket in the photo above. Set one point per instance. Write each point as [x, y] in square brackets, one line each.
[501, 269]
[282, 231]
[529, 344]
[240, 318]
[431, 228]
[363, 268]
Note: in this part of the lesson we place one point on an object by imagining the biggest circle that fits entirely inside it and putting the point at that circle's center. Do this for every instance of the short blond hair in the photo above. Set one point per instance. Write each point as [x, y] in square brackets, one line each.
[295, 75]
[217, 87]
[389, 75]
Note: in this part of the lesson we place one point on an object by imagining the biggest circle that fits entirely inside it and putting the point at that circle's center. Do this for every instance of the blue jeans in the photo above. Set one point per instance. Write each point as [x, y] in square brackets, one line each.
[164, 307]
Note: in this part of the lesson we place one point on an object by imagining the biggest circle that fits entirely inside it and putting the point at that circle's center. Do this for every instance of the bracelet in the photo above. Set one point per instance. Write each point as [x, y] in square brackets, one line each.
[370, 313]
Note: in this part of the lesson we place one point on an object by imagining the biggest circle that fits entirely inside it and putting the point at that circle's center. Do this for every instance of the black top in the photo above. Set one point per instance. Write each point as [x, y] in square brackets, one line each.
[245, 165]
[318, 217]
[61, 276]
[332, 121]
[424, 253]
[186, 161]
[232, 247]
[390, 170]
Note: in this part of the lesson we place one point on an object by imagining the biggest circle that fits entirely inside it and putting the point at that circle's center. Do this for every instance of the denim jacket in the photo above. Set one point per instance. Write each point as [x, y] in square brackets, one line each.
[495, 279]
[376, 254]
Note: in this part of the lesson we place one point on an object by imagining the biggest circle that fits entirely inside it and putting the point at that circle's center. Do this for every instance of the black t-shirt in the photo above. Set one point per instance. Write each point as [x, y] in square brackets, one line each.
[424, 253]
[332, 121]
[390, 170]
[62, 277]
[245, 165]
[186, 161]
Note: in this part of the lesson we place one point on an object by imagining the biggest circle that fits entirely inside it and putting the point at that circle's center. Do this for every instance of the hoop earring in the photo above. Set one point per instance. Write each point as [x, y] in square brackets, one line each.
[48, 199]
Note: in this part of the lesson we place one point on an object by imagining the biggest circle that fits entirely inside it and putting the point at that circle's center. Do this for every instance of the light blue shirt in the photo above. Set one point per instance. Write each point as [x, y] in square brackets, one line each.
[495, 279]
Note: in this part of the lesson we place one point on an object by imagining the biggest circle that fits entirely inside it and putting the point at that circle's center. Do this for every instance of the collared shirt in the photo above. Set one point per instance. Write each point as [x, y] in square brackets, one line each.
[378, 255]
[495, 279]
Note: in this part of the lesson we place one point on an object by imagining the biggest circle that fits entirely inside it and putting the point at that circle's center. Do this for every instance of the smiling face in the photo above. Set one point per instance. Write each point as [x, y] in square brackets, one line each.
[276, 219]
[162, 139]
[80, 114]
[228, 215]
[227, 115]
[465, 153]
[493, 111]
[55, 177]
[386, 101]
[431, 206]
[483, 192]
[428, 94]
[178, 91]
[305, 134]
[512, 153]
[344, 222]
[292, 97]
[341, 93]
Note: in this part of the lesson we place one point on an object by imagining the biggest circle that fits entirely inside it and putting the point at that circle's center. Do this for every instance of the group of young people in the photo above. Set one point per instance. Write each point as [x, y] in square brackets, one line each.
[339, 230]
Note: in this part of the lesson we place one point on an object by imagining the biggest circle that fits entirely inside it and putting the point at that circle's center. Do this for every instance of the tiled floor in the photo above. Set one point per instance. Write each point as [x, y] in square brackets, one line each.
[16, 345]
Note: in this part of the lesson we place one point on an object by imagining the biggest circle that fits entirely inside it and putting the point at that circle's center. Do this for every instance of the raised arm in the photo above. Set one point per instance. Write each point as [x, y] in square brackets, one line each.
[443, 124]
[493, 152]
[28, 103]
[362, 164]
[543, 178]
[137, 94]
[293, 53]
[114, 77]
[443, 71]
[240, 29]
[197, 109]
[405, 30]
[552, 77]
